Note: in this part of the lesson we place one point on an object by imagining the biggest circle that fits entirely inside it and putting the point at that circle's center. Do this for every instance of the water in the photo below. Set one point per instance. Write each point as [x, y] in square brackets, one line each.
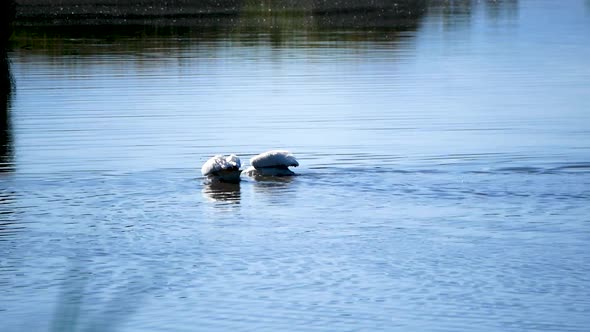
[444, 179]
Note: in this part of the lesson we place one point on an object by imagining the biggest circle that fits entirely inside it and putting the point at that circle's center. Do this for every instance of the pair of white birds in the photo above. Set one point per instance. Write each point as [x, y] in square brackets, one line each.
[227, 168]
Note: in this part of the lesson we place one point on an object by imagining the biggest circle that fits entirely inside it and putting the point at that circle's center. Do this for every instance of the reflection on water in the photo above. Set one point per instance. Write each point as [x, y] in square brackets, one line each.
[256, 176]
[455, 15]
[273, 185]
[276, 15]
[9, 224]
[443, 180]
[8, 218]
[6, 86]
[314, 23]
[222, 192]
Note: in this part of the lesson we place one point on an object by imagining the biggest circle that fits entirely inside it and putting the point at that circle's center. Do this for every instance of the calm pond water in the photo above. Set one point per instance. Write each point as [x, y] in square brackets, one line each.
[444, 181]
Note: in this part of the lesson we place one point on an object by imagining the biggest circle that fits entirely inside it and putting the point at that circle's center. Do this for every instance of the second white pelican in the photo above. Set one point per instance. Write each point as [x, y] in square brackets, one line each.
[272, 163]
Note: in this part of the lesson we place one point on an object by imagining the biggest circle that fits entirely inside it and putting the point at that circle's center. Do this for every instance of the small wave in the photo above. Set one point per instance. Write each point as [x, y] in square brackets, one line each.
[579, 167]
[520, 169]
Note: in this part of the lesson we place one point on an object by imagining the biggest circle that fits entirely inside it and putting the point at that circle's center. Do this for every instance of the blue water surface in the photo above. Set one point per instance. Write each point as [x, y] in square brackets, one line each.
[444, 181]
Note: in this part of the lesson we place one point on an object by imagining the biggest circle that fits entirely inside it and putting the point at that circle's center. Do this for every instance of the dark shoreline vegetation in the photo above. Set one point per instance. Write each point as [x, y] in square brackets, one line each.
[196, 12]
[279, 19]
[112, 19]
[41, 22]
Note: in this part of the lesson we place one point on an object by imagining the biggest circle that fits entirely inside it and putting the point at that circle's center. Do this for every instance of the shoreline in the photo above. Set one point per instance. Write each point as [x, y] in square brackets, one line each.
[346, 13]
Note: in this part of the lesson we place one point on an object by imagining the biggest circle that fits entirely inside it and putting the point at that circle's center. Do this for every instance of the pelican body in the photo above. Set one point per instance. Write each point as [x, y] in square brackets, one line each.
[272, 163]
[222, 169]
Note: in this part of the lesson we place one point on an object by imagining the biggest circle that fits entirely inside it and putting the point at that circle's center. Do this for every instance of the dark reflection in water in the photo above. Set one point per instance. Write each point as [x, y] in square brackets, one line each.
[318, 23]
[8, 218]
[278, 22]
[501, 8]
[275, 188]
[223, 192]
[457, 14]
[224, 13]
[6, 146]
[273, 180]
[6, 88]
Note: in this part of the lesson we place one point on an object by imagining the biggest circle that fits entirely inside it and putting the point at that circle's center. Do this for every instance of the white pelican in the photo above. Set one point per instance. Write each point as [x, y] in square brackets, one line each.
[272, 163]
[223, 168]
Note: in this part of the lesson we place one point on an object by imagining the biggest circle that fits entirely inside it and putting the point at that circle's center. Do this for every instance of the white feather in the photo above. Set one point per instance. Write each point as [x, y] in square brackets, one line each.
[220, 163]
[275, 158]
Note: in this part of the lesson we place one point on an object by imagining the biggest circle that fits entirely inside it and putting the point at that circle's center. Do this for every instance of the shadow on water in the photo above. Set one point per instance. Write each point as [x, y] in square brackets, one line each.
[76, 307]
[69, 303]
